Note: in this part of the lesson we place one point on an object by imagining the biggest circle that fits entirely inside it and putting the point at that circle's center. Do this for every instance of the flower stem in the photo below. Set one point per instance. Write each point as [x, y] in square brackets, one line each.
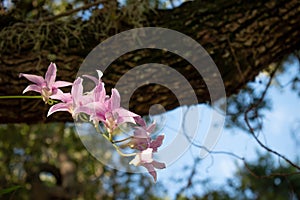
[108, 138]
[123, 140]
[118, 149]
[20, 97]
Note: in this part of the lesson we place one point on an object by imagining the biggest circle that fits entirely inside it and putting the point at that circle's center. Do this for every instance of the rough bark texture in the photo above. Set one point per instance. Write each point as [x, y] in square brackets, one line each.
[242, 37]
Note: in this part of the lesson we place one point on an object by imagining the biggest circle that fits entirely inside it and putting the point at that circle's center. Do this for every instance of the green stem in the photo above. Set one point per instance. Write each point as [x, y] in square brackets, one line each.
[123, 140]
[20, 97]
[83, 117]
[110, 136]
[113, 143]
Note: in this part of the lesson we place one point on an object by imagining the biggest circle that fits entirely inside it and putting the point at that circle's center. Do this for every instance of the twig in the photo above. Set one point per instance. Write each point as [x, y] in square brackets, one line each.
[190, 178]
[255, 105]
[205, 148]
[270, 175]
[69, 12]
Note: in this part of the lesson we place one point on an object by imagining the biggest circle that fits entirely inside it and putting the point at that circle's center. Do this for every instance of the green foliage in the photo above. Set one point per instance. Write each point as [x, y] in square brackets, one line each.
[34, 25]
[269, 182]
[9, 190]
[262, 179]
[29, 150]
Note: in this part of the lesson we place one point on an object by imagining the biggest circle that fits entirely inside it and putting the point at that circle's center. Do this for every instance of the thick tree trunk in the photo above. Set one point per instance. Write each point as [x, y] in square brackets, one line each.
[242, 37]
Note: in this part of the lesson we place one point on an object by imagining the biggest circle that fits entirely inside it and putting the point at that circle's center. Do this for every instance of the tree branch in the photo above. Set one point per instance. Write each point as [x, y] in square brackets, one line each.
[254, 106]
[69, 12]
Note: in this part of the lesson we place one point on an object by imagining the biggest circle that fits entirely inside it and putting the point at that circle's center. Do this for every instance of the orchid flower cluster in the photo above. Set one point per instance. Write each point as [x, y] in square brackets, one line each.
[98, 107]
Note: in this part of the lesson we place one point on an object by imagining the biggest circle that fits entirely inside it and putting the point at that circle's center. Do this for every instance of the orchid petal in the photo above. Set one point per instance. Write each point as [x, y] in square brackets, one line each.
[58, 84]
[151, 128]
[58, 107]
[50, 75]
[100, 74]
[99, 93]
[32, 87]
[83, 109]
[96, 108]
[136, 161]
[146, 156]
[158, 165]
[139, 120]
[114, 99]
[151, 170]
[125, 116]
[140, 132]
[64, 97]
[77, 89]
[95, 80]
[157, 142]
[125, 113]
[39, 80]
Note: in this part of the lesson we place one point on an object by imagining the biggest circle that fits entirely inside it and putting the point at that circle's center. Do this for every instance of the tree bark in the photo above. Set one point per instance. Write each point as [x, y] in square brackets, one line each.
[242, 37]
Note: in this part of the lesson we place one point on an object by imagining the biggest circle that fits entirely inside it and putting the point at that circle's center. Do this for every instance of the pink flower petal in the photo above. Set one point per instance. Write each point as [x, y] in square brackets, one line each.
[158, 165]
[151, 170]
[64, 97]
[95, 80]
[139, 120]
[77, 90]
[125, 115]
[157, 142]
[59, 107]
[82, 109]
[50, 75]
[99, 93]
[114, 99]
[151, 128]
[33, 88]
[58, 84]
[140, 132]
[96, 108]
[34, 78]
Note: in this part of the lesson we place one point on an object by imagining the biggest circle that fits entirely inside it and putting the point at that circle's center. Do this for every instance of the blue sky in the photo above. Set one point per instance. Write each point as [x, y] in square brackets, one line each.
[276, 133]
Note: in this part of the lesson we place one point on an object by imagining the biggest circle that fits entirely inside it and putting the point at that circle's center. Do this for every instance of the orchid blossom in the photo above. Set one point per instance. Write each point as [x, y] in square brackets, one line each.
[73, 102]
[141, 139]
[109, 111]
[145, 159]
[143, 142]
[100, 108]
[45, 86]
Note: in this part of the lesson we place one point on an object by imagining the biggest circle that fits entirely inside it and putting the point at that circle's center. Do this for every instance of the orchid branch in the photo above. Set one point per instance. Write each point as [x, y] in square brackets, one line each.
[108, 138]
[96, 106]
[20, 97]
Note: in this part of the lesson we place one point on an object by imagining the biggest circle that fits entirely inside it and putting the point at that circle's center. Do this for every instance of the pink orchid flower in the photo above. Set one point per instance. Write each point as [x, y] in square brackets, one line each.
[73, 102]
[45, 86]
[65, 105]
[145, 159]
[156, 143]
[143, 142]
[108, 110]
[116, 113]
[141, 139]
[94, 79]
